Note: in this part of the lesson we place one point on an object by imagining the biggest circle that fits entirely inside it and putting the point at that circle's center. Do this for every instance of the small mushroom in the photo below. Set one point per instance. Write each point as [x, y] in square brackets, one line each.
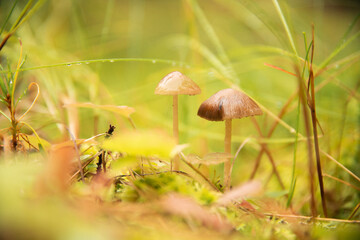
[176, 83]
[228, 104]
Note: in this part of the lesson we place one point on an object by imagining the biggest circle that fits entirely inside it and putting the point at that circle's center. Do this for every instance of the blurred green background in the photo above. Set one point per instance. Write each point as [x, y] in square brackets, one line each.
[218, 44]
[114, 52]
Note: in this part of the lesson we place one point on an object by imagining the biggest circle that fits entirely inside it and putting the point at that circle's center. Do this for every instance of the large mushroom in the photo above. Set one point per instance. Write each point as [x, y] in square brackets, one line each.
[228, 104]
[176, 83]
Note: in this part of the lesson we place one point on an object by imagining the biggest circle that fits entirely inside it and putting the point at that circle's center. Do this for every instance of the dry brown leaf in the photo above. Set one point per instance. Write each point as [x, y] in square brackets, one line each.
[246, 190]
[57, 172]
[122, 110]
[209, 159]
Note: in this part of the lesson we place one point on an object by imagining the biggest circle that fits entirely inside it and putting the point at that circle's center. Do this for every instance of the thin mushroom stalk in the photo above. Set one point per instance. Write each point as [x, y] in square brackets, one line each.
[226, 105]
[227, 164]
[176, 159]
[174, 84]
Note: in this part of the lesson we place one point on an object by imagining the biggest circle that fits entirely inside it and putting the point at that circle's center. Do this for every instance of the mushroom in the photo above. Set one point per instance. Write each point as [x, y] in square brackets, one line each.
[228, 104]
[176, 83]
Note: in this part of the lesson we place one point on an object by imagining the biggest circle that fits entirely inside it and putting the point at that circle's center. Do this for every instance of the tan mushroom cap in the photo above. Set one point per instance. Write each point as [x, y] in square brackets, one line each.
[176, 83]
[228, 104]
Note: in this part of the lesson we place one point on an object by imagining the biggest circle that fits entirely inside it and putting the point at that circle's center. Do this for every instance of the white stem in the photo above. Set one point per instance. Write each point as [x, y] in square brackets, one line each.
[227, 165]
[176, 160]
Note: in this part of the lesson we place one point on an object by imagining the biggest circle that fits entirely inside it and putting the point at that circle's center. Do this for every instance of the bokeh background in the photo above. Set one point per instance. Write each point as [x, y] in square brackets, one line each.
[219, 44]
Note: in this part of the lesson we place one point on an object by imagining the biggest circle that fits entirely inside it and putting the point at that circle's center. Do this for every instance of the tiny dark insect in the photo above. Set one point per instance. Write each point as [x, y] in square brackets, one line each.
[111, 130]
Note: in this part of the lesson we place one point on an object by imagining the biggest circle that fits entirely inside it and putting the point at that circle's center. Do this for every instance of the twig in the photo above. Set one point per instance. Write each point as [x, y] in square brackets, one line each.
[340, 165]
[151, 174]
[279, 68]
[183, 157]
[271, 131]
[6, 38]
[22, 135]
[342, 181]
[309, 218]
[354, 211]
[268, 153]
[84, 166]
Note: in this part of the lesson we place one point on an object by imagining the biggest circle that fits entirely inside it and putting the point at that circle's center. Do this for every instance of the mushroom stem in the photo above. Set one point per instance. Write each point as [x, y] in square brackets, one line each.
[176, 160]
[227, 164]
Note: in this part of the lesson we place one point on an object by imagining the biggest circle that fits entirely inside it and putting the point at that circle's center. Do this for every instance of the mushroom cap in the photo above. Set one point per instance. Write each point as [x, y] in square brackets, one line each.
[176, 83]
[228, 104]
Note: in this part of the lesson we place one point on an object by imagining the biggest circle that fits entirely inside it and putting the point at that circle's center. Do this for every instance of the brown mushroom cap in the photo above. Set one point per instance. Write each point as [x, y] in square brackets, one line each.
[176, 83]
[228, 104]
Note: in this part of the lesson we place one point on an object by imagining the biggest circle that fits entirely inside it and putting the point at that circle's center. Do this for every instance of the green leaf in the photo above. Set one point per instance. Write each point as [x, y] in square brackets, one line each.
[4, 80]
[142, 143]
[34, 141]
[8, 17]
[21, 96]
[119, 165]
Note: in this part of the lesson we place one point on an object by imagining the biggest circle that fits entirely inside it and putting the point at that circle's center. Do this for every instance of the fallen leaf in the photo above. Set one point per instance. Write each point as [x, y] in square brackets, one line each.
[246, 190]
[209, 159]
[122, 110]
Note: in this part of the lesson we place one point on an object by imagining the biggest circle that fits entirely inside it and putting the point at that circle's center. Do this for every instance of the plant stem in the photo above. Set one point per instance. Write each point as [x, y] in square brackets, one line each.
[311, 218]
[354, 211]
[4, 41]
[341, 181]
[293, 177]
[287, 29]
[317, 152]
[227, 164]
[314, 124]
[265, 149]
[271, 131]
[13, 133]
[340, 165]
[176, 129]
[183, 157]
[302, 92]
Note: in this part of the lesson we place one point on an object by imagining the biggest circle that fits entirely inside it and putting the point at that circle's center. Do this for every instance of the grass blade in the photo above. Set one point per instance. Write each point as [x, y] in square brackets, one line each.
[286, 26]
[29, 12]
[338, 50]
[2, 113]
[20, 17]
[207, 54]
[302, 96]
[8, 17]
[15, 78]
[312, 107]
[342, 43]
[293, 177]
[205, 24]
[252, 6]
[104, 60]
